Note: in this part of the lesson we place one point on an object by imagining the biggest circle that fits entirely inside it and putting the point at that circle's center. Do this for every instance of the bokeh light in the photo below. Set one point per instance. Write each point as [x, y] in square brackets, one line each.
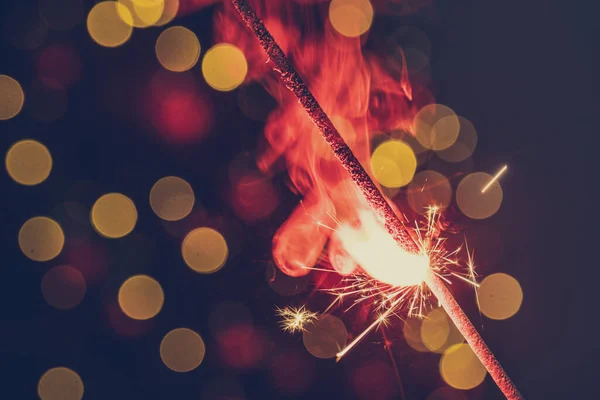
[447, 393]
[172, 198]
[460, 367]
[41, 239]
[292, 372]
[351, 17]
[436, 127]
[46, 100]
[464, 145]
[114, 215]
[28, 162]
[177, 49]
[61, 15]
[429, 188]
[169, 13]
[438, 332]
[59, 65]
[182, 350]
[141, 297]
[500, 296]
[325, 337]
[393, 164]
[204, 250]
[60, 383]
[224, 67]
[473, 201]
[63, 287]
[11, 97]
[412, 334]
[141, 13]
[106, 26]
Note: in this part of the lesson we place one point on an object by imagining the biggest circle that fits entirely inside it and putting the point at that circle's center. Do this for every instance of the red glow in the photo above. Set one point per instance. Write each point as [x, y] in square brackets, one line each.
[242, 346]
[59, 65]
[253, 197]
[292, 372]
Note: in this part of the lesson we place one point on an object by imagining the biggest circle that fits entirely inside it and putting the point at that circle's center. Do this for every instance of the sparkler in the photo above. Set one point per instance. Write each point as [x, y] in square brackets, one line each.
[495, 178]
[376, 201]
[295, 319]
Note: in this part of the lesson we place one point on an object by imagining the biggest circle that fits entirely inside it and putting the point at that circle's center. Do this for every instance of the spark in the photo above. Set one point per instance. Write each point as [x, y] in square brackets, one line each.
[295, 319]
[495, 178]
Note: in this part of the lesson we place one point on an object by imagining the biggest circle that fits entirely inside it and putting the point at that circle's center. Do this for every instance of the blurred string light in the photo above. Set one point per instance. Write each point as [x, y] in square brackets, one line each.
[438, 333]
[464, 145]
[460, 367]
[11, 97]
[182, 350]
[106, 26]
[351, 17]
[141, 13]
[61, 15]
[171, 8]
[63, 287]
[412, 334]
[500, 296]
[475, 203]
[141, 297]
[114, 215]
[436, 127]
[172, 198]
[393, 164]
[204, 250]
[177, 49]
[28, 162]
[429, 188]
[325, 336]
[224, 67]
[60, 383]
[41, 239]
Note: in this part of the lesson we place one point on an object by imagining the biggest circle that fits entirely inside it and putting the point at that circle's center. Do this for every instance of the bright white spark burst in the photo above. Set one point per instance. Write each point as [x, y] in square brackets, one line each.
[295, 319]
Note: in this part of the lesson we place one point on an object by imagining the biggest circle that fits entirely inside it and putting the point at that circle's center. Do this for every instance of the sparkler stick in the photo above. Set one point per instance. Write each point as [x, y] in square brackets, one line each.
[374, 198]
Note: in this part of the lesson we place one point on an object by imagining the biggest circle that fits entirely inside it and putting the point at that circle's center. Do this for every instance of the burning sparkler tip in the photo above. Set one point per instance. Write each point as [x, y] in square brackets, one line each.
[295, 319]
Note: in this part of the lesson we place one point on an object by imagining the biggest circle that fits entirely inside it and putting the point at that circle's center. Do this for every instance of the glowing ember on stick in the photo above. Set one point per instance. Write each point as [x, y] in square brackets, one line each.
[374, 198]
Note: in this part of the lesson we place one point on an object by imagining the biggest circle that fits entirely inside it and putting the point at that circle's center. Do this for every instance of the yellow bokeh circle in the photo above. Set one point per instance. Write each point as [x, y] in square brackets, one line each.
[438, 332]
[500, 296]
[394, 164]
[182, 350]
[473, 201]
[141, 13]
[436, 127]
[177, 49]
[106, 26]
[464, 145]
[141, 297]
[204, 250]
[114, 215]
[224, 67]
[11, 97]
[60, 384]
[325, 337]
[169, 13]
[460, 367]
[41, 239]
[351, 17]
[28, 162]
[429, 189]
[172, 198]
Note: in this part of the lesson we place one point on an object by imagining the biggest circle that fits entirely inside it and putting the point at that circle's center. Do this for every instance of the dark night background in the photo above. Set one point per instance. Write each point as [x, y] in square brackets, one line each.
[520, 71]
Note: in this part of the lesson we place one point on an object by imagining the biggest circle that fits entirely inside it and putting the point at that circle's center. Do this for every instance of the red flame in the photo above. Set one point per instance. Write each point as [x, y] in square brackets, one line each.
[356, 88]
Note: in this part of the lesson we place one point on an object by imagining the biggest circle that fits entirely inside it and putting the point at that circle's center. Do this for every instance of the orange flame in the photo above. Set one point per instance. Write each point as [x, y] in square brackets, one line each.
[364, 94]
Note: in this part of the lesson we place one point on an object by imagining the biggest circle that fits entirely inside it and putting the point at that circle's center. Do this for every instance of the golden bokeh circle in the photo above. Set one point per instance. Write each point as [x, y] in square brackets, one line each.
[11, 97]
[500, 296]
[60, 383]
[473, 201]
[393, 164]
[169, 13]
[204, 250]
[177, 49]
[41, 239]
[351, 18]
[224, 67]
[182, 350]
[460, 367]
[436, 127]
[114, 215]
[438, 332]
[28, 162]
[172, 198]
[141, 297]
[464, 145]
[141, 13]
[63, 287]
[106, 26]
[429, 189]
[325, 337]
[412, 334]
